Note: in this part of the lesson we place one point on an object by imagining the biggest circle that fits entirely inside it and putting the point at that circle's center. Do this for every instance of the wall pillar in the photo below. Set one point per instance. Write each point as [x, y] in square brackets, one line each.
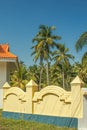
[31, 87]
[76, 98]
[6, 86]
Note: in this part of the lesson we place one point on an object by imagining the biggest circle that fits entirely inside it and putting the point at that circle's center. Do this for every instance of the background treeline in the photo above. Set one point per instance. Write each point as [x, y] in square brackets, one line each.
[54, 62]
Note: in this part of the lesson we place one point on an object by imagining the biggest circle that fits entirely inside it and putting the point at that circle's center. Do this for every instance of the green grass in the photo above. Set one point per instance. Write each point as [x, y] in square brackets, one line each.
[10, 124]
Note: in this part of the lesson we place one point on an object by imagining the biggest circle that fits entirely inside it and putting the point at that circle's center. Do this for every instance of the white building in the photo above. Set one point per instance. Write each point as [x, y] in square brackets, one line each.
[8, 62]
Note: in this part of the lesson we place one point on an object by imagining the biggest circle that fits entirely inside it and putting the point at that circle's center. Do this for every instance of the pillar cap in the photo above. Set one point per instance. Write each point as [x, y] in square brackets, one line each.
[31, 83]
[77, 80]
[6, 85]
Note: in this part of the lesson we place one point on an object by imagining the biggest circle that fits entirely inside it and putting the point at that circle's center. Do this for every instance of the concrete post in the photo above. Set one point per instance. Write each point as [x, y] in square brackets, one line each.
[76, 98]
[31, 87]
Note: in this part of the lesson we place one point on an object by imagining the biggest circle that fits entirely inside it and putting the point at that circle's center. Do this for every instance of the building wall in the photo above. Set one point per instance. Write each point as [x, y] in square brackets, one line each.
[3, 74]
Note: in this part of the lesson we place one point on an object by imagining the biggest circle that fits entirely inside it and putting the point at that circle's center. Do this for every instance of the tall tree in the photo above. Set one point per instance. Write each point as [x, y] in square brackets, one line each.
[39, 54]
[81, 42]
[61, 57]
[83, 71]
[45, 40]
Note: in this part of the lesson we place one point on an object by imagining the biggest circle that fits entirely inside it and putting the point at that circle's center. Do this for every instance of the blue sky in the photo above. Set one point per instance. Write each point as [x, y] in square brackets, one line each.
[20, 19]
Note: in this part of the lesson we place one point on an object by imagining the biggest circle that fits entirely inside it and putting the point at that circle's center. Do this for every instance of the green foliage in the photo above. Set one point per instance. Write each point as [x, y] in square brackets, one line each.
[19, 77]
[55, 74]
[33, 73]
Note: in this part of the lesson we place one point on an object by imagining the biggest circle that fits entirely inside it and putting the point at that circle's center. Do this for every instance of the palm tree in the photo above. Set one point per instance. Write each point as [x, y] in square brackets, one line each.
[62, 58]
[45, 40]
[83, 71]
[84, 59]
[81, 42]
[39, 53]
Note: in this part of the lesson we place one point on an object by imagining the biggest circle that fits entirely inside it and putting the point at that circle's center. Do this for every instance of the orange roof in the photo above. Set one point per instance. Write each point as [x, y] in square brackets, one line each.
[5, 53]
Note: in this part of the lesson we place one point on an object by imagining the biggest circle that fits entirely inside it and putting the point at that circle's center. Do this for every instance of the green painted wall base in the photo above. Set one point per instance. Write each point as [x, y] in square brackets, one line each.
[58, 121]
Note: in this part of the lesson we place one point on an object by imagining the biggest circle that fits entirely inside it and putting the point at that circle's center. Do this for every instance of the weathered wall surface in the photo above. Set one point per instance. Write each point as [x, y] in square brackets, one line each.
[14, 100]
[52, 100]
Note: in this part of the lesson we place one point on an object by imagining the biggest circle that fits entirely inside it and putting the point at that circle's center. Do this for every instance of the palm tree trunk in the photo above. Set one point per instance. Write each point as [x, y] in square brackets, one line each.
[63, 76]
[47, 69]
[41, 70]
[63, 80]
